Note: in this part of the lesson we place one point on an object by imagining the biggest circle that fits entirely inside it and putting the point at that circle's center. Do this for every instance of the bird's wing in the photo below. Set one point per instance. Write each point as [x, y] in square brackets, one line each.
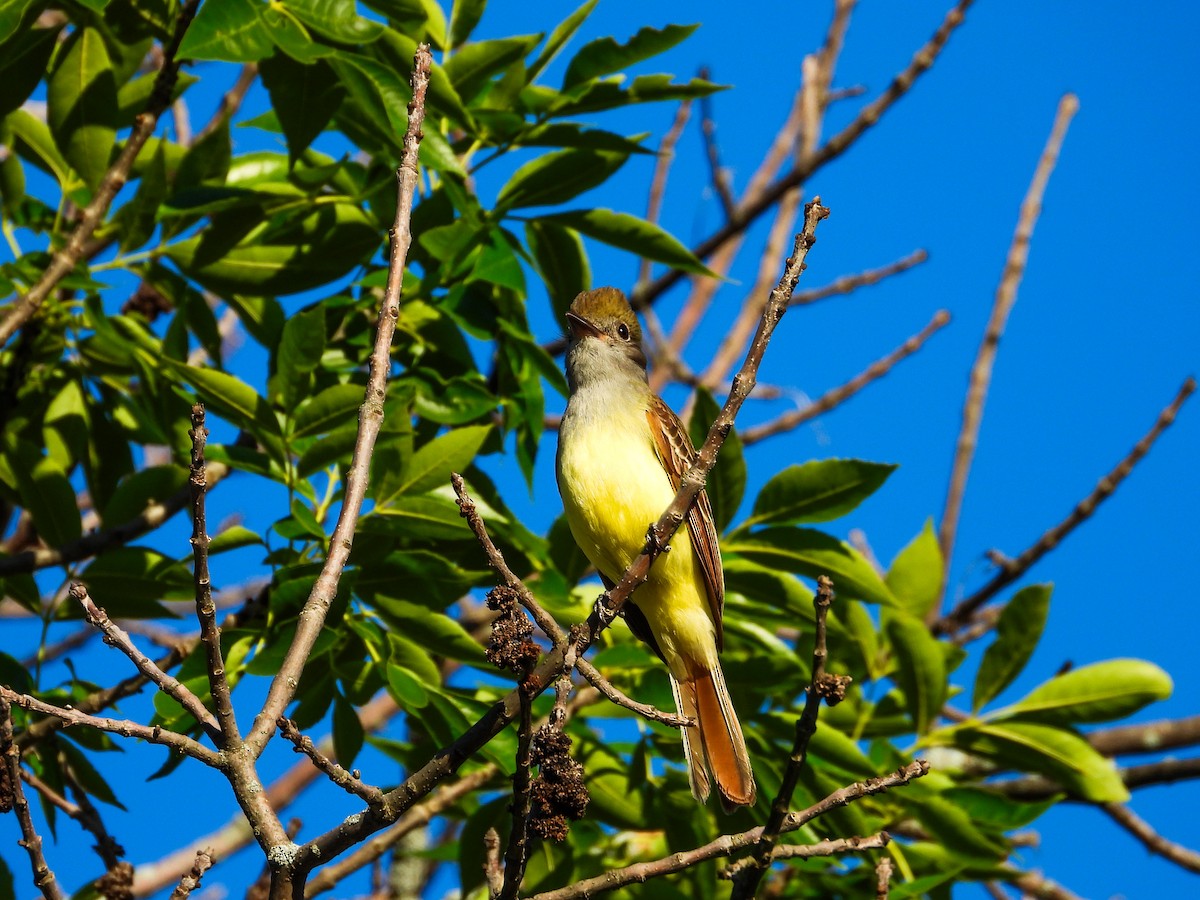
[676, 453]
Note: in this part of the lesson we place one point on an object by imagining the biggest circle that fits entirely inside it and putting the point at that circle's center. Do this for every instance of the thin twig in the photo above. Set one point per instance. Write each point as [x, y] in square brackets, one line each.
[114, 179]
[822, 686]
[1051, 539]
[883, 876]
[1147, 737]
[43, 875]
[662, 167]
[517, 854]
[231, 102]
[493, 873]
[1006, 296]
[154, 734]
[832, 847]
[88, 817]
[617, 696]
[230, 737]
[191, 879]
[1168, 771]
[728, 844]
[708, 131]
[1032, 884]
[168, 684]
[370, 420]
[750, 209]
[354, 828]
[833, 398]
[1151, 839]
[347, 781]
[850, 283]
[420, 815]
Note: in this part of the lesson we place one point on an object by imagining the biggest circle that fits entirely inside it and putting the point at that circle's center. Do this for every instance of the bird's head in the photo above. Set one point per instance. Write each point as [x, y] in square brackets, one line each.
[605, 336]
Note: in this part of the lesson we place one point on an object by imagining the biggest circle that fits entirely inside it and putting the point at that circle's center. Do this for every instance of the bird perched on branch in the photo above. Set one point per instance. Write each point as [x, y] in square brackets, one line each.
[622, 453]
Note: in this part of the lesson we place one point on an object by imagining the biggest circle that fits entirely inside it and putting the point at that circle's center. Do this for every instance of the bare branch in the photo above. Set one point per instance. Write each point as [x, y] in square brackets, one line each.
[64, 260]
[883, 874]
[229, 736]
[832, 847]
[708, 131]
[370, 420]
[517, 854]
[1153, 841]
[838, 395]
[1168, 771]
[43, 875]
[231, 102]
[832, 689]
[168, 684]
[730, 843]
[1006, 296]
[420, 815]
[850, 283]
[191, 880]
[1039, 886]
[662, 167]
[491, 866]
[1051, 539]
[1147, 737]
[347, 781]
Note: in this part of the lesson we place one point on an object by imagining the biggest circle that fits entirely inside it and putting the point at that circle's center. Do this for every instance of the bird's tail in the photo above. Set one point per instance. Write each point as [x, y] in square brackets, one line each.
[715, 744]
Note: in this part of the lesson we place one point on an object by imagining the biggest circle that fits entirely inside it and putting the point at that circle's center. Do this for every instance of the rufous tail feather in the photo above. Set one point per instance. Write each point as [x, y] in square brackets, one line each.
[716, 744]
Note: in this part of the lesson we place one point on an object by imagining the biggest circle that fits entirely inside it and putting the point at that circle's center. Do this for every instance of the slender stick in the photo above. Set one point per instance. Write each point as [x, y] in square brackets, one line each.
[833, 398]
[231, 101]
[517, 854]
[883, 874]
[849, 283]
[370, 420]
[748, 878]
[712, 151]
[1104, 489]
[206, 611]
[168, 684]
[114, 179]
[1006, 296]
[1151, 839]
[491, 866]
[43, 875]
[347, 781]
[191, 879]
[662, 168]
[1147, 737]
[831, 847]
[728, 844]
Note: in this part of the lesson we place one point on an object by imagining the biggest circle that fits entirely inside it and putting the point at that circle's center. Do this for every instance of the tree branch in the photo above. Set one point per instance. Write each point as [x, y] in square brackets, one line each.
[43, 875]
[833, 398]
[347, 781]
[191, 879]
[850, 283]
[370, 420]
[1104, 489]
[1006, 296]
[1151, 839]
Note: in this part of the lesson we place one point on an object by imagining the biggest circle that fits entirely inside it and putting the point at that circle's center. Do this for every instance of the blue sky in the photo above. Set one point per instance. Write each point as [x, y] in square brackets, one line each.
[1105, 329]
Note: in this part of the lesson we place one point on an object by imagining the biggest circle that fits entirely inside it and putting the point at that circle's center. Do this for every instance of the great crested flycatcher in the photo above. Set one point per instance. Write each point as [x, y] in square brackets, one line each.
[622, 453]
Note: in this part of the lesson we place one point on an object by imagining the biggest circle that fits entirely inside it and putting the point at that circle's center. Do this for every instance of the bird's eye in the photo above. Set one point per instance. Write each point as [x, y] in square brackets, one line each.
[623, 331]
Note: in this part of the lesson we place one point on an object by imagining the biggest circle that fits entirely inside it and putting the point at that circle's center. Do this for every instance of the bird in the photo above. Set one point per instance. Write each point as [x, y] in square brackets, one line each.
[622, 453]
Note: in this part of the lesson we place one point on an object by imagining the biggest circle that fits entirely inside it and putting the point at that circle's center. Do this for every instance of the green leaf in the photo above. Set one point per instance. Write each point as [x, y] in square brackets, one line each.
[953, 828]
[336, 20]
[48, 496]
[304, 97]
[406, 687]
[81, 105]
[605, 55]
[128, 581]
[915, 577]
[920, 669]
[230, 31]
[562, 33]
[473, 65]
[464, 16]
[35, 143]
[333, 407]
[562, 262]
[206, 161]
[233, 538]
[325, 245]
[431, 464]
[814, 553]
[995, 810]
[1097, 693]
[421, 576]
[817, 491]
[1060, 755]
[22, 65]
[638, 236]
[429, 517]
[727, 481]
[347, 732]
[436, 631]
[300, 351]
[152, 485]
[262, 317]
[230, 397]
[557, 177]
[1017, 634]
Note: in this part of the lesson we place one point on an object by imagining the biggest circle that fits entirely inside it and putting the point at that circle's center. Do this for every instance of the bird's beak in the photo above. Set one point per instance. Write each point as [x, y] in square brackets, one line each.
[580, 327]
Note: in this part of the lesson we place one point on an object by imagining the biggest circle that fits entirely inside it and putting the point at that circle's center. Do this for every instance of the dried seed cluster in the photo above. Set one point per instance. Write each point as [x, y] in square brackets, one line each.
[558, 793]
